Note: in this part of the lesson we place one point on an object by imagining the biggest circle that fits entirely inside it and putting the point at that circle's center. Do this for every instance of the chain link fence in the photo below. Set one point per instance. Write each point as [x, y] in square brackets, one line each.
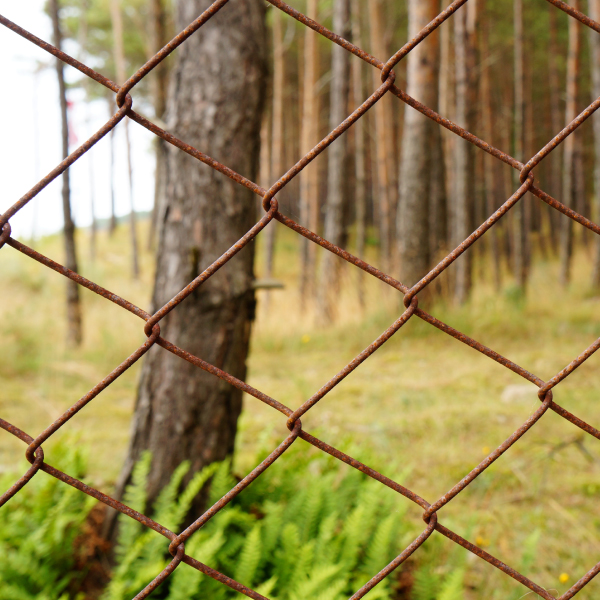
[34, 452]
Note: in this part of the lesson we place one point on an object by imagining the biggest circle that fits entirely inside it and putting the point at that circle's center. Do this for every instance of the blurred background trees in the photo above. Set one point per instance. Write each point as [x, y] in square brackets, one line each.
[397, 182]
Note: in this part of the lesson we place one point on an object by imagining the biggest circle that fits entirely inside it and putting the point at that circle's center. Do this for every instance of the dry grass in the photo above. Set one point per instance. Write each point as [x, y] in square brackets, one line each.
[424, 401]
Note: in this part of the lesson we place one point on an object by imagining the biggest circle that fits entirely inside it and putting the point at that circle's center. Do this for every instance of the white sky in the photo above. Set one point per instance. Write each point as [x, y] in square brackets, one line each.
[30, 142]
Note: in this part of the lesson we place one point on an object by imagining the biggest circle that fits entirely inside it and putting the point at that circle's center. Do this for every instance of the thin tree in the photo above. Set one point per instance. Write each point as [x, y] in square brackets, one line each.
[159, 96]
[384, 144]
[82, 41]
[490, 172]
[337, 191]
[555, 158]
[594, 12]
[447, 109]
[119, 55]
[112, 224]
[277, 147]
[74, 328]
[518, 212]
[309, 133]
[416, 181]
[360, 158]
[183, 412]
[566, 229]
[463, 154]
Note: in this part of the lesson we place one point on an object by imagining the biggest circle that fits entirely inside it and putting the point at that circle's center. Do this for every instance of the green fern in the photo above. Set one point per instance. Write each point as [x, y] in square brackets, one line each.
[249, 559]
[426, 584]
[39, 527]
[135, 497]
[453, 586]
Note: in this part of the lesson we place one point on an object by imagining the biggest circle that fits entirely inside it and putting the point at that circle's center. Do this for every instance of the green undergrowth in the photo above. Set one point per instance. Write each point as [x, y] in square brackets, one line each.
[308, 527]
[40, 525]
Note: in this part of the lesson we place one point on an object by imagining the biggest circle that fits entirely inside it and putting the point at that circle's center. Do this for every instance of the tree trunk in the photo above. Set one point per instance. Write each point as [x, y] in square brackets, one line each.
[74, 326]
[463, 156]
[489, 161]
[594, 12]
[112, 225]
[277, 148]
[446, 105]
[416, 181]
[360, 191]
[337, 191]
[518, 212]
[566, 230]
[82, 39]
[94, 224]
[555, 158]
[309, 177]
[119, 56]
[215, 104]
[159, 93]
[385, 193]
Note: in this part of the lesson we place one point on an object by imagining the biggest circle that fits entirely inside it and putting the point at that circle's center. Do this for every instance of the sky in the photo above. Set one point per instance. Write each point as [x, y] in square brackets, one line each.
[30, 142]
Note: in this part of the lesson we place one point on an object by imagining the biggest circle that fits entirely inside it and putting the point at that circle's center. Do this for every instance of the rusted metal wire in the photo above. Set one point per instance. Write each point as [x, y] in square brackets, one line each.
[176, 547]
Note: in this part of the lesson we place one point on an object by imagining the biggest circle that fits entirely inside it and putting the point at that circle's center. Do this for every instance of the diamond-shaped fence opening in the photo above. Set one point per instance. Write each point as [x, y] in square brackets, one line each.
[177, 541]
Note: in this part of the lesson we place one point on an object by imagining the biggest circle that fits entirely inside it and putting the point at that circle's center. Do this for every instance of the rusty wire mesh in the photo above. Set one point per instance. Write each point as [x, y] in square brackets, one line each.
[34, 452]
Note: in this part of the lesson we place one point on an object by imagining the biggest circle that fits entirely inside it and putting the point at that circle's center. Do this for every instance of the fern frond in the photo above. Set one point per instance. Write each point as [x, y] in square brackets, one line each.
[378, 553]
[453, 586]
[266, 588]
[249, 559]
[163, 507]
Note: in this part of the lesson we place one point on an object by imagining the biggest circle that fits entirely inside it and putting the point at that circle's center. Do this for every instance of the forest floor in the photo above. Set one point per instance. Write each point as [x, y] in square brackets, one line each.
[424, 404]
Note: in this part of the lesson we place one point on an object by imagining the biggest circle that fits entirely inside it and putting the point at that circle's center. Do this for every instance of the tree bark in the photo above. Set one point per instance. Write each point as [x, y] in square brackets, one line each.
[82, 40]
[384, 152]
[159, 94]
[490, 172]
[566, 230]
[594, 12]
[277, 148]
[215, 104]
[119, 55]
[337, 191]
[360, 192]
[518, 212]
[112, 224]
[556, 120]
[462, 205]
[419, 140]
[74, 325]
[309, 177]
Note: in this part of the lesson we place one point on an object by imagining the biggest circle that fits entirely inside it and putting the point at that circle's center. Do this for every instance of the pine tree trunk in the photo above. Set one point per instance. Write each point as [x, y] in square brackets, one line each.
[94, 224]
[416, 178]
[309, 178]
[337, 190]
[277, 148]
[384, 191]
[74, 325]
[518, 212]
[463, 156]
[566, 230]
[594, 13]
[555, 158]
[82, 40]
[159, 94]
[182, 412]
[489, 161]
[119, 56]
[360, 192]
[448, 139]
[112, 225]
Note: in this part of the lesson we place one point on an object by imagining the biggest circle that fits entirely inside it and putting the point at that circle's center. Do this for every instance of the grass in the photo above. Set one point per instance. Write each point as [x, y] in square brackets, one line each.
[424, 401]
